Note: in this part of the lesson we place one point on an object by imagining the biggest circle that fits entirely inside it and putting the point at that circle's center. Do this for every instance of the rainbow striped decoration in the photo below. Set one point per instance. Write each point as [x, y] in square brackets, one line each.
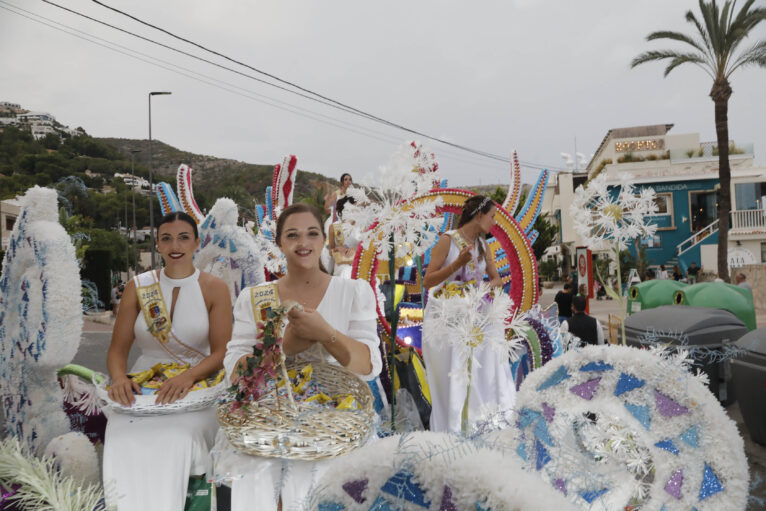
[168, 201]
[185, 194]
[527, 216]
[511, 201]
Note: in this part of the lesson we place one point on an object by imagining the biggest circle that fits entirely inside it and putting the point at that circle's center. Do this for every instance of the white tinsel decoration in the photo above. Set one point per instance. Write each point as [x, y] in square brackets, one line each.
[43, 488]
[484, 326]
[603, 218]
[239, 263]
[387, 210]
[40, 320]
[275, 260]
[75, 456]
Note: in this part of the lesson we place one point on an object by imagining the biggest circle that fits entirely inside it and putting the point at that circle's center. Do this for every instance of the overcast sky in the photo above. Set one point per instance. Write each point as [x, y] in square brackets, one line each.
[531, 75]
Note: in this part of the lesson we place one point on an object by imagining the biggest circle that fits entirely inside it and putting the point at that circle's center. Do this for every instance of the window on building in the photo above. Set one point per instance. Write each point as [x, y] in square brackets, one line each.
[664, 202]
[763, 252]
[749, 195]
[9, 222]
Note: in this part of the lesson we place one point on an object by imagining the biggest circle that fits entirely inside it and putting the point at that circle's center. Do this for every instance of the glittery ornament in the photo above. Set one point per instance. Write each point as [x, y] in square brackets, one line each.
[561, 486]
[673, 486]
[447, 504]
[527, 417]
[355, 489]
[403, 485]
[710, 483]
[521, 450]
[590, 496]
[542, 455]
[381, 504]
[331, 506]
[560, 375]
[596, 366]
[541, 433]
[668, 407]
[627, 383]
[641, 413]
[691, 437]
[668, 445]
[587, 389]
[548, 412]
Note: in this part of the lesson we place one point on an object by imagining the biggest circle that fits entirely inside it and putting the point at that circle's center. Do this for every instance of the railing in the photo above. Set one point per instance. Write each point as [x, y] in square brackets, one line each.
[697, 237]
[748, 220]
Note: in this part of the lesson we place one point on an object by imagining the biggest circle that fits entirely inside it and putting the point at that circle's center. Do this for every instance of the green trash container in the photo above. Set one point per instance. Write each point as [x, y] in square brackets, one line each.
[749, 381]
[720, 295]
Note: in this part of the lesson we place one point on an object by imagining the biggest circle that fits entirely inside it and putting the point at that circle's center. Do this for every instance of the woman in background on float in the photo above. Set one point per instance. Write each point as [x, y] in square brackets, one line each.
[334, 197]
[337, 325]
[462, 257]
[343, 246]
[175, 314]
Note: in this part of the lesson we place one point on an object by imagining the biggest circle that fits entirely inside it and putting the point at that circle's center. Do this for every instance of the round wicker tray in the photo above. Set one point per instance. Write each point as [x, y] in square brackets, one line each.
[303, 432]
[145, 405]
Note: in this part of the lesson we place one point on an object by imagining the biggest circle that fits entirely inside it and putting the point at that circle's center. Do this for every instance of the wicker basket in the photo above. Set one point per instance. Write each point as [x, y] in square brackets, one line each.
[303, 431]
[145, 405]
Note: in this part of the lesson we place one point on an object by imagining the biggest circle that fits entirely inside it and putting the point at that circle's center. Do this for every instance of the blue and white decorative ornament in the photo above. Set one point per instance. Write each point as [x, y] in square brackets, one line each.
[227, 250]
[40, 321]
[613, 426]
[432, 471]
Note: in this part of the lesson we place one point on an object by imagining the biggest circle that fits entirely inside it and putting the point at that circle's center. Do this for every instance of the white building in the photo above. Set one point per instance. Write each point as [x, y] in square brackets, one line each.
[133, 181]
[10, 209]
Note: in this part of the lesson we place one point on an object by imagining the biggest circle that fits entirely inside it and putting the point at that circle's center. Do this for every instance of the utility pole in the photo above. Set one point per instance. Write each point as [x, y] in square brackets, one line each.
[135, 232]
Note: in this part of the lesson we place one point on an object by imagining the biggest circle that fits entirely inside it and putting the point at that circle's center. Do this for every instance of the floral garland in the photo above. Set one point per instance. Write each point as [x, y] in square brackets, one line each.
[259, 369]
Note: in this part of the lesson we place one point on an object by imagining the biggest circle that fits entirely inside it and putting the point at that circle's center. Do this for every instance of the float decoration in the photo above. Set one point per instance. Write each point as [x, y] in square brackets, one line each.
[613, 426]
[39, 299]
[432, 471]
[606, 220]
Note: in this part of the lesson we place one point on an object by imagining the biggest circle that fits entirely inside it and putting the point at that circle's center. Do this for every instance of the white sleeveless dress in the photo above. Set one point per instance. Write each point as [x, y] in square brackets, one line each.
[492, 386]
[257, 482]
[148, 460]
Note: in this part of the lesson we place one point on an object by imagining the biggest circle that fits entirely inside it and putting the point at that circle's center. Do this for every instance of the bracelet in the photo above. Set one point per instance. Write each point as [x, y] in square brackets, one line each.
[333, 337]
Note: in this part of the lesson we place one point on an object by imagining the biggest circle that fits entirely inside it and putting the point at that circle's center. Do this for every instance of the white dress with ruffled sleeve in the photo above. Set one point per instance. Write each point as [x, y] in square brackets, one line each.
[257, 482]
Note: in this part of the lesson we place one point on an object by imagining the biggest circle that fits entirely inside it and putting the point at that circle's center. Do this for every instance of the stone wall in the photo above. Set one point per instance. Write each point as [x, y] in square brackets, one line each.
[756, 276]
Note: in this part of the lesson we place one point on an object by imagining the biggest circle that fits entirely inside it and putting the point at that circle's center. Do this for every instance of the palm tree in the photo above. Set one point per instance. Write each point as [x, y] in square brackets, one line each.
[715, 46]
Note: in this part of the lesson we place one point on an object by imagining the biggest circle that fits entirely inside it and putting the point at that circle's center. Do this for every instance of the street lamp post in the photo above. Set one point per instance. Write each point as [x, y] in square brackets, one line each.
[135, 233]
[151, 175]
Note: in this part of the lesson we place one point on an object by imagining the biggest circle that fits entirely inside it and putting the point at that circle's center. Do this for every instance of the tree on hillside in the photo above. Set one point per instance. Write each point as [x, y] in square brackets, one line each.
[715, 47]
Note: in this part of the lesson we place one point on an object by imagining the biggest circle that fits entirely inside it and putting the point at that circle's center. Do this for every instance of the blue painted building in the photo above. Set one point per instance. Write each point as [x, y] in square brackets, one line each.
[684, 174]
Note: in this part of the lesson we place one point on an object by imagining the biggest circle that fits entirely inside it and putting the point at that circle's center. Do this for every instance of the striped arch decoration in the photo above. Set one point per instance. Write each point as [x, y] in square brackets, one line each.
[511, 201]
[531, 210]
[185, 193]
[283, 184]
[168, 201]
[517, 256]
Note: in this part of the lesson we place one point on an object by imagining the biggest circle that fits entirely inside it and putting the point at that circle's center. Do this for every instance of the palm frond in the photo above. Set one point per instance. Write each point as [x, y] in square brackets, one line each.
[710, 17]
[683, 59]
[691, 18]
[755, 55]
[651, 56]
[675, 36]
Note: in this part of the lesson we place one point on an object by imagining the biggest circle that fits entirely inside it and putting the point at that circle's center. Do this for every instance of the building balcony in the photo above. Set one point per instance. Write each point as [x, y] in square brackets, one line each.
[747, 222]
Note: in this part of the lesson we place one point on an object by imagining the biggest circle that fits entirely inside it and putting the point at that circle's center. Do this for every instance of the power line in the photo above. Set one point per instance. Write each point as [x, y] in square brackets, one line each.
[311, 95]
[189, 73]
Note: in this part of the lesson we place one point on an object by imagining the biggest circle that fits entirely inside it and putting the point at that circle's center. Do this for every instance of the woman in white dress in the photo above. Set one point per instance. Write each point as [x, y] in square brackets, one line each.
[463, 257]
[148, 460]
[337, 325]
[342, 245]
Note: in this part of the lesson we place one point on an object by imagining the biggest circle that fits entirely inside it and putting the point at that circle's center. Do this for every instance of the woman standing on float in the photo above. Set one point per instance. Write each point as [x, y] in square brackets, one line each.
[337, 324]
[175, 314]
[460, 259]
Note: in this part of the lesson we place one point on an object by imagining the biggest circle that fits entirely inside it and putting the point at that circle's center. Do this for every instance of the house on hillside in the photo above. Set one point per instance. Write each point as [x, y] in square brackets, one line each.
[683, 171]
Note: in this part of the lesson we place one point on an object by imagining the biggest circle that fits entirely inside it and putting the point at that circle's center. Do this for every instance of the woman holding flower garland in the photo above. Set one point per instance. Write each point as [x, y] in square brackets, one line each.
[460, 259]
[148, 460]
[336, 324]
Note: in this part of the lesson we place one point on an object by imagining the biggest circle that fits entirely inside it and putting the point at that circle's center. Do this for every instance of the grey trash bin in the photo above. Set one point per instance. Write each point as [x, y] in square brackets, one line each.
[749, 381]
[704, 327]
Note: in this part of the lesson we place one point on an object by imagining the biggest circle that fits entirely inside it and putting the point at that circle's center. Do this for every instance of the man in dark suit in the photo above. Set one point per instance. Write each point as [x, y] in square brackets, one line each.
[587, 328]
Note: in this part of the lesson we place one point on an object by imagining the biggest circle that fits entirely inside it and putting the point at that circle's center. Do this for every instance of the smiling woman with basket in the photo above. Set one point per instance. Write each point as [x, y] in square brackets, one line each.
[176, 315]
[287, 429]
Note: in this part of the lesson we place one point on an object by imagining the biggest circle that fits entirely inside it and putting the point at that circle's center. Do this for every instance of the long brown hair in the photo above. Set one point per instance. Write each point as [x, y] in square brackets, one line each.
[292, 209]
[472, 207]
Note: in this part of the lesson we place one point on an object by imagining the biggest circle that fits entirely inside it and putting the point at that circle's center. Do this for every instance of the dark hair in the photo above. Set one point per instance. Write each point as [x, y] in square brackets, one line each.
[342, 203]
[567, 286]
[292, 209]
[344, 175]
[579, 303]
[179, 215]
[471, 208]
